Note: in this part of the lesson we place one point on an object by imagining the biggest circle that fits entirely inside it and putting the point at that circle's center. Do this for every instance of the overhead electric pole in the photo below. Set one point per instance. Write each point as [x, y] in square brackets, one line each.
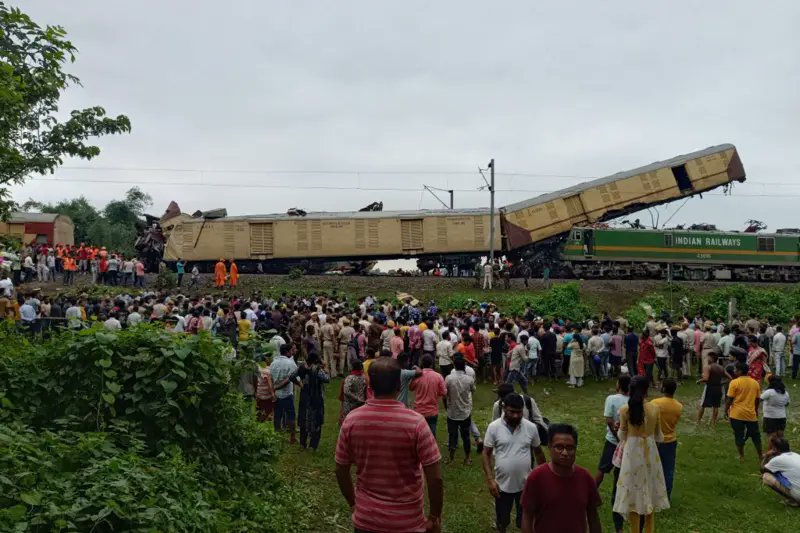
[449, 191]
[491, 213]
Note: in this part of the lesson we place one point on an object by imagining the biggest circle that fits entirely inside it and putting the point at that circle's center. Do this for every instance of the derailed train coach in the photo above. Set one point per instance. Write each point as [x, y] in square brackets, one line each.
[552, 215]
[317, 241]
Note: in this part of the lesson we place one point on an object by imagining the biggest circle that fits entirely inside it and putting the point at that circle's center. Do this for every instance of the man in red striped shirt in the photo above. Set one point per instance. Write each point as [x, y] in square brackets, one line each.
[392, 448]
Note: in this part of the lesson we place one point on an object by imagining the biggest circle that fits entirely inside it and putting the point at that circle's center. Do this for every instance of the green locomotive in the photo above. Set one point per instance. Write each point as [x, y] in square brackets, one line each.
[593, 252]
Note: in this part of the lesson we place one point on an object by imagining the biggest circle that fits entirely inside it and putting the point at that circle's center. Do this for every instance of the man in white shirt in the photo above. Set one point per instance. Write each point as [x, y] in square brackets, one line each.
[778, 347]
[429, 341]
[534, 347]
[444, 351]
[488, 272]
[781, 470]
[134, 318]
[6, 286]
[510, 440]
[27, 313]
[595, 345]
[159, 310]
[518, 360]
[726, 342]
[73, 316]
[112, 324]
[460, 387]
[276, 340]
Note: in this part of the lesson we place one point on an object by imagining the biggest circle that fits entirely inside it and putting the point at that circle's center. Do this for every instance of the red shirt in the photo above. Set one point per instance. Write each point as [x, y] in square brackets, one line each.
[559, 504]
[429, 387]
[389, 444]
[477, 343]
[647, 354]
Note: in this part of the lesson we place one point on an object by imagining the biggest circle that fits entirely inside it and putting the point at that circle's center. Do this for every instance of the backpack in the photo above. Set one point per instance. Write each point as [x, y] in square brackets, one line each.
[352, 347]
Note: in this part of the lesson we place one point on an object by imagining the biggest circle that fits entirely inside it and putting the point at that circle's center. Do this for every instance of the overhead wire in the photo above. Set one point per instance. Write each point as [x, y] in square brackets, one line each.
[357, 173]
[329, 187]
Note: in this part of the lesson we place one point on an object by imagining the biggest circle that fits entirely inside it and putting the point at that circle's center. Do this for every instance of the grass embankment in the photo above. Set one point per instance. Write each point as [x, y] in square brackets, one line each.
[713, 492]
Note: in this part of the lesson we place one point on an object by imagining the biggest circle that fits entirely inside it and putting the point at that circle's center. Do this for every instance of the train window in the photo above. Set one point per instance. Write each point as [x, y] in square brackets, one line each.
[41, 238]
[682, 178]
[766, 244]
[576, 235]
[668, 239]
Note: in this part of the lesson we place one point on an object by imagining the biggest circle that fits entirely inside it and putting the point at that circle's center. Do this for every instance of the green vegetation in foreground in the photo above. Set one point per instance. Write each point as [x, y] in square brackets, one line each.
[137, 430]
[713, 491]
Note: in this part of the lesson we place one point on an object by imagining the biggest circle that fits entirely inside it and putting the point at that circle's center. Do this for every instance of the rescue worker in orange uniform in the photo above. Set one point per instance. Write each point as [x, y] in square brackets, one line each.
[234, 274]
[219, 273]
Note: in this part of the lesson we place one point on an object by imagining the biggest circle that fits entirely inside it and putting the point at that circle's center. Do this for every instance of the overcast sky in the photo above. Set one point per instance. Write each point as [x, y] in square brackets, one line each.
[553, 88]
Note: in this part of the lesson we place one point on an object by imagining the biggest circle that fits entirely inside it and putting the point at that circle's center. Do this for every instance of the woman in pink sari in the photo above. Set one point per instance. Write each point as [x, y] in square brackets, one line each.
[756, 360]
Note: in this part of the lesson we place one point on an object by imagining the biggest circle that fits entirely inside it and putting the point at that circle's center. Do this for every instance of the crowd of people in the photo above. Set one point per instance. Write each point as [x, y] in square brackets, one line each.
[383, 351]
[44, 263]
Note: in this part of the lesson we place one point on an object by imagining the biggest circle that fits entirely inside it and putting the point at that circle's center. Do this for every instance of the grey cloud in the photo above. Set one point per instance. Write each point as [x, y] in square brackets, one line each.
[583, 88]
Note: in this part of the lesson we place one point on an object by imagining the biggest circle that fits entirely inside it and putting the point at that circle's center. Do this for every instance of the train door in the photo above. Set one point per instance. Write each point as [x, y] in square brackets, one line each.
[682, 179]
[588, 242]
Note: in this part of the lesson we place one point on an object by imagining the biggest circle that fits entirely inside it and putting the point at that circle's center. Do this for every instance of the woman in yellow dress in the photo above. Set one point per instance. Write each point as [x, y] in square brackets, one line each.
[641, 490]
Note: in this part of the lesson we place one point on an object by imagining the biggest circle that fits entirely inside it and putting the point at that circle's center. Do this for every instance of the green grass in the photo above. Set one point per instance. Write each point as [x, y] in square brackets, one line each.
[713, 491]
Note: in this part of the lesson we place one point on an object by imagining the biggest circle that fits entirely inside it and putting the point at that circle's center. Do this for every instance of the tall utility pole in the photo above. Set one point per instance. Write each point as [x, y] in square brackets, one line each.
[491, 214]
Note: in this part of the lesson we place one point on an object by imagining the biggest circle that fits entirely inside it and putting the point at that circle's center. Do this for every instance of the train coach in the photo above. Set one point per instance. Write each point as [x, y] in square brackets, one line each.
[680, 254]
[460, 237]
[554, 214]
[321, 238]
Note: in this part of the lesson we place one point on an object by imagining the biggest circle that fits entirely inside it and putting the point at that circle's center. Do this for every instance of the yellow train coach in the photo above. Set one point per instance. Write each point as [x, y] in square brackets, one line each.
[331, 236]
[550, 215]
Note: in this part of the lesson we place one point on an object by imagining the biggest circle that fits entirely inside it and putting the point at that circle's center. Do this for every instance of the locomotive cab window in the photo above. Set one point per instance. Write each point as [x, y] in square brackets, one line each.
[766, 244]
[576, 235]
[668, 239]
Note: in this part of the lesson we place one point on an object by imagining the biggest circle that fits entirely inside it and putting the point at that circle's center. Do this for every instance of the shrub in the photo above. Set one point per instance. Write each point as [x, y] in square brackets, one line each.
[139, 429]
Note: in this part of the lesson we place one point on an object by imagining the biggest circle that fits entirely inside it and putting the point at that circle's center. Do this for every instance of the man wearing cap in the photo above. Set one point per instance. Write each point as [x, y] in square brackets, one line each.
[509, 441]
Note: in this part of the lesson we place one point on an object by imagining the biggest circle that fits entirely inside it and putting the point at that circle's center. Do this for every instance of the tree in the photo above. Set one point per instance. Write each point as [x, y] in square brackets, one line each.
[129, 210]
[32, 139]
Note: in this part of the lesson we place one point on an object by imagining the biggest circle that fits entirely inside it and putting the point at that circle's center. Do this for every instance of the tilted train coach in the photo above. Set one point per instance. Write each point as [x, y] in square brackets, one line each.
[457, 236]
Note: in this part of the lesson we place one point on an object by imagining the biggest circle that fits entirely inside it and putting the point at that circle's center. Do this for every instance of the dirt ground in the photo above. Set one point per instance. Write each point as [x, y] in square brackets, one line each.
[612, 295]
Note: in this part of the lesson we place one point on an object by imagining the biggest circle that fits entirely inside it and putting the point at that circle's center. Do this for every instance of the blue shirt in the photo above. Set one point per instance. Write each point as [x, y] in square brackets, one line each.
[405, 379]
[179, 267]
[281, 368]
[795, 343]
[27, 313]
[631, 344]
[567, 339]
